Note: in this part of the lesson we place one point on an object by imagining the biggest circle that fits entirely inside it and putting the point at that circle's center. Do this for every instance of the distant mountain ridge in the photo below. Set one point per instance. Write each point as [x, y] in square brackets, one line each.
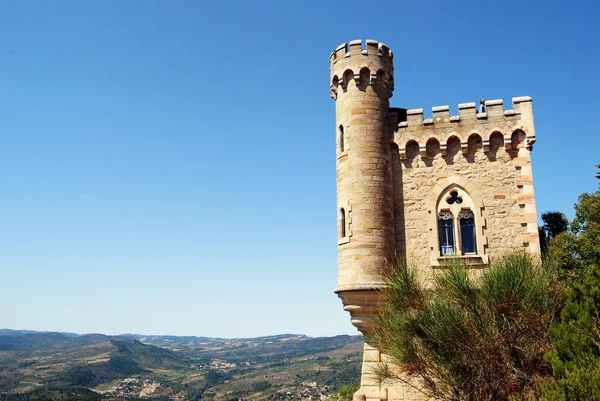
[20, 340]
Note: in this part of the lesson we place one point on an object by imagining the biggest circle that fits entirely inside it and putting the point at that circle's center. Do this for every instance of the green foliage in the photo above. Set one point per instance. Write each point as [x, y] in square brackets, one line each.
[575, 356]
[149, 355]
[274, 351]
[562, 255]
[61, 394]
[346, 392]
[435, 334]
[555, 223]
[586, 226]
[118, 367]
[574, 251]
[80, 376]
[130, 358]
[261, 386]
[14, 340]
[214, 377]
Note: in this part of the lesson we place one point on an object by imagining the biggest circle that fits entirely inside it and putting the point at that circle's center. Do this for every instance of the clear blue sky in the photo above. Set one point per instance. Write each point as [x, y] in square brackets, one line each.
[167, 167]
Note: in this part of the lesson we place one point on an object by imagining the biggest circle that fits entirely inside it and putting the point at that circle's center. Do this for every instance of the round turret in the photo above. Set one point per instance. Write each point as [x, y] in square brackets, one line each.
[361, 84]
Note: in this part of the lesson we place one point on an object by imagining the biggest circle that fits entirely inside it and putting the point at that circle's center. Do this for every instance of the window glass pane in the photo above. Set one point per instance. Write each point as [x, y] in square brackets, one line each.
[467, 235]
[446, 237]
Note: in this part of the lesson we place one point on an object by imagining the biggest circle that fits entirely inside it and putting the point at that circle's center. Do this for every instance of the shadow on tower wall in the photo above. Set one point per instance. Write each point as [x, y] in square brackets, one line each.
[398, 205]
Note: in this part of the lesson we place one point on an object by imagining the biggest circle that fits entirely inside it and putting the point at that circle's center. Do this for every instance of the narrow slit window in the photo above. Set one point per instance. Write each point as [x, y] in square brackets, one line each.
[342, 223]
[467, 232]
[342, 145]
[446, 227]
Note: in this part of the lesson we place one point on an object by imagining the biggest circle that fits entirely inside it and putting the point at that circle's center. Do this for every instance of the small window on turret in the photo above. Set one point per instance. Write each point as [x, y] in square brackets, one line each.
[342, 223]
[341, 139]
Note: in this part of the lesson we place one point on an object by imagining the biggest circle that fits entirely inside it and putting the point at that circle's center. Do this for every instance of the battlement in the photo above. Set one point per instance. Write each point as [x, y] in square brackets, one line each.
[369, 66]
[355, 47]
[468, 111]
[512, 128]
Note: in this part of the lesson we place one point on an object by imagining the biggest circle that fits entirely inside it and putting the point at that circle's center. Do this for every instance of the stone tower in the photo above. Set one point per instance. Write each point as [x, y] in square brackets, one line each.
[421, 190]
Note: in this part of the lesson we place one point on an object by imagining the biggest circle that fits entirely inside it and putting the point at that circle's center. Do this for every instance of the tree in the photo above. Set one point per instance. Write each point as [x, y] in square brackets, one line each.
[261, 386]
[574, 251]
[214, 377]
[434, 333]
[575, 355]
[554, 224]
[586, 226]
[346, 392]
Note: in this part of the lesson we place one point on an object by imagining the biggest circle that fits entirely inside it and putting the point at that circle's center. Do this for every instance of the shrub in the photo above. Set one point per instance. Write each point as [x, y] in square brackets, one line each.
[468, 339]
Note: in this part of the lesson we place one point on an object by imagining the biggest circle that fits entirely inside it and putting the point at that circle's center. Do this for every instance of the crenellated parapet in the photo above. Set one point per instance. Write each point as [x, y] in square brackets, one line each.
[470, 130]
[368, 64]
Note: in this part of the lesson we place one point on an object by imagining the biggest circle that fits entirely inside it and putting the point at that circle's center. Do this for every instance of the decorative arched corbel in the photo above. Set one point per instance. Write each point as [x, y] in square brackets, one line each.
[485, 145]
[444, 148]
[464, 147]
[333, 92]
[373, 78]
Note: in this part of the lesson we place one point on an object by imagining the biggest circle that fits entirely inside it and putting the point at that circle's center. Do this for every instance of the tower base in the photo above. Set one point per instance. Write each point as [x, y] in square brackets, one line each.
[363, 305]
[370, 390]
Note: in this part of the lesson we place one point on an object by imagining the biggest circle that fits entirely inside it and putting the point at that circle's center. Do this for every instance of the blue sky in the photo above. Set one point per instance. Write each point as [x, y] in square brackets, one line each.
[168, 166]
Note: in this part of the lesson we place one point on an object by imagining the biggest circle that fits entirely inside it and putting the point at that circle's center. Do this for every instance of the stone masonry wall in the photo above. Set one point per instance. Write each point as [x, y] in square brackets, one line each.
[487, 155]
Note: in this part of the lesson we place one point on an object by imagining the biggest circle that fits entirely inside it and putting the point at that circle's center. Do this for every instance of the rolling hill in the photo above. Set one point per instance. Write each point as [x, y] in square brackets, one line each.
[37, 364]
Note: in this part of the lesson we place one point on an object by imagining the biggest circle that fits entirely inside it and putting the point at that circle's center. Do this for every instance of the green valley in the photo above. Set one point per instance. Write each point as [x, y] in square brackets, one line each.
[57, 366]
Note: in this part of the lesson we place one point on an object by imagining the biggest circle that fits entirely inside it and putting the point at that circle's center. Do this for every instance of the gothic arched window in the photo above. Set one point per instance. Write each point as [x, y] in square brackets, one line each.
[456, 223]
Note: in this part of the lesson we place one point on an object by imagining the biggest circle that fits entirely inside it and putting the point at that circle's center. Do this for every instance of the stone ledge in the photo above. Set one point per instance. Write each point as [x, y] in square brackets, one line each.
[495, 102]
[469, 260]
[343, 240]
[520, 99]
[342, 154]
